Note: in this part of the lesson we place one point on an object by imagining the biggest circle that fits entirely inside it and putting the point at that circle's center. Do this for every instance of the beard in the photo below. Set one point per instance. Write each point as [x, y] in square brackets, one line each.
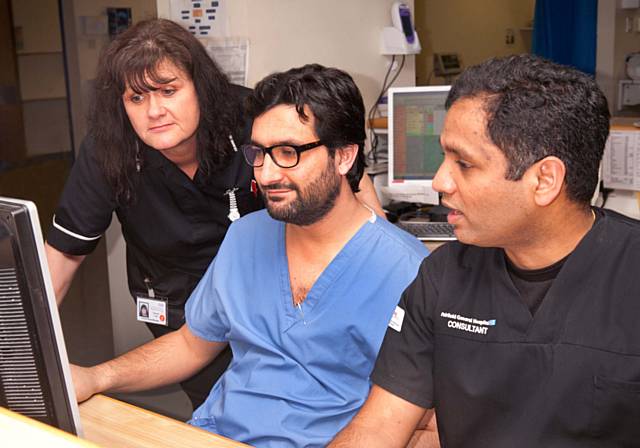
[311, 203]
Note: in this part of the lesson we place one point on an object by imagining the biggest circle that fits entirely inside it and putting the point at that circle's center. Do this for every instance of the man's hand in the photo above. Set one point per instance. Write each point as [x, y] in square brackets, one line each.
[385, 421]
[169, 359]
[84, 382]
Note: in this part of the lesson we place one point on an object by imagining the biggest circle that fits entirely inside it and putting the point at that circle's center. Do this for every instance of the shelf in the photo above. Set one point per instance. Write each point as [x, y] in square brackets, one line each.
[48, 98]
[377, 168]
[37, 53]
[378, 123]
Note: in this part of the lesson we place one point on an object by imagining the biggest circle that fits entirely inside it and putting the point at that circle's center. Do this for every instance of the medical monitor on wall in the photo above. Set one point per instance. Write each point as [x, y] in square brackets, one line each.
[416, 117]
[35, 379]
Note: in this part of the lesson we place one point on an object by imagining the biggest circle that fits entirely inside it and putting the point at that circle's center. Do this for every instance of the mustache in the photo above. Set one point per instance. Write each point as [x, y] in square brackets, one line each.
[280, 186]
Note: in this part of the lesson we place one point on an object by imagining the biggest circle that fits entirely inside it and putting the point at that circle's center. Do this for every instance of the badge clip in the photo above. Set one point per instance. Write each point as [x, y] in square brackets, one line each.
[150, 290]
[233, 143]
[234, 213]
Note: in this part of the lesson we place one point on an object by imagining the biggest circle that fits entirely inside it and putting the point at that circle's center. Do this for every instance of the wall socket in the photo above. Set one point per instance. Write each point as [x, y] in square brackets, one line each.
[510, 37]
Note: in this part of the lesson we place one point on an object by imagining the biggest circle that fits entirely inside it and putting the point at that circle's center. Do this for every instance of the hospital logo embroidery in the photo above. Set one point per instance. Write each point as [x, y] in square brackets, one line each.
[468, 324]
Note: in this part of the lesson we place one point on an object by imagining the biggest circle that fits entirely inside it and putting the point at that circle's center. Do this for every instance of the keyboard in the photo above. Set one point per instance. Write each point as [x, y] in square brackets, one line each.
[428, 231]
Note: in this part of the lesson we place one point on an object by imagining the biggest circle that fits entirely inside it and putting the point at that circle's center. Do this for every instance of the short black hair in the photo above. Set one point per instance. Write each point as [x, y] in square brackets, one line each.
[536, 108]
[333, 98]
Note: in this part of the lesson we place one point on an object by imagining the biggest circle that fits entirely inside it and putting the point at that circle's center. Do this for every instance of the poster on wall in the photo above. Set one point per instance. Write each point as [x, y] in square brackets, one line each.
[118, 20]
[232, 55]
[201, 18]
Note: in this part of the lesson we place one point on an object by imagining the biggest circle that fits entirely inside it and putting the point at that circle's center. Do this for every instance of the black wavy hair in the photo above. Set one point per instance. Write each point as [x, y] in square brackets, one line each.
[536, 108]
[133, 59]
[333, 98]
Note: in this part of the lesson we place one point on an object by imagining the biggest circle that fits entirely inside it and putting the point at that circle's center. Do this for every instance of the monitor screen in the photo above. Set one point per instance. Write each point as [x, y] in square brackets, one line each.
[35, 378]
[416, 118]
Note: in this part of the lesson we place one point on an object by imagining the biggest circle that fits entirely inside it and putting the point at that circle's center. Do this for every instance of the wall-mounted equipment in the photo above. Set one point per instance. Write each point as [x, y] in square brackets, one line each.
[401, 38]
[629, 89]
[446, 64]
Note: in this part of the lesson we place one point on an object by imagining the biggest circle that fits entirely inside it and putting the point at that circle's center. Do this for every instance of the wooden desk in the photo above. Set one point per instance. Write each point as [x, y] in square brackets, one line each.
[18, 430]
[110, 423]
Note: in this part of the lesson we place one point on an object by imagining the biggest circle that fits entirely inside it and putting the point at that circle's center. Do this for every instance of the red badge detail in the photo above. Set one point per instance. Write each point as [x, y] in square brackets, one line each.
[254, 187]
[161, 318]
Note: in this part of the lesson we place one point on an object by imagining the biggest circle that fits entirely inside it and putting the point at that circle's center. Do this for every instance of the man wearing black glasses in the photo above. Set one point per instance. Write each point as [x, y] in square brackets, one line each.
[302, 292]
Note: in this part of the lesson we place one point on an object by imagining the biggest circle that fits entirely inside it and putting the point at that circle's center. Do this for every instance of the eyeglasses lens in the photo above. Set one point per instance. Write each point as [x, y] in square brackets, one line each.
[254, 155]
[285, 156]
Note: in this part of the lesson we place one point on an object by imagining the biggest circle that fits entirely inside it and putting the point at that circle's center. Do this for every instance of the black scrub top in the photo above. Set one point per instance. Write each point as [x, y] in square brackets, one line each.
[569, 376]
[174, 227]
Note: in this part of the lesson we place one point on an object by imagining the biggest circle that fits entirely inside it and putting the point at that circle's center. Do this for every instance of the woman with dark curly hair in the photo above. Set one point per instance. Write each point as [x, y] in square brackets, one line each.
[160, 152]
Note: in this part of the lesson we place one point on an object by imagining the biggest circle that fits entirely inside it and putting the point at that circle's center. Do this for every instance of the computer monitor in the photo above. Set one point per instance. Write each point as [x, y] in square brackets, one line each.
[35, 379]
[416, 118]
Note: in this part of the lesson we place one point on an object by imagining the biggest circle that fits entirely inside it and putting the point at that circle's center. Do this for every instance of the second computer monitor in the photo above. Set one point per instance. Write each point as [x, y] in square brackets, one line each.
[416, 118]
[35, 378]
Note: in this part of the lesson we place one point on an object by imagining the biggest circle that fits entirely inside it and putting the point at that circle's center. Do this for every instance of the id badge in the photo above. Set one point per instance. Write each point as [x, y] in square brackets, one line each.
[152, 310]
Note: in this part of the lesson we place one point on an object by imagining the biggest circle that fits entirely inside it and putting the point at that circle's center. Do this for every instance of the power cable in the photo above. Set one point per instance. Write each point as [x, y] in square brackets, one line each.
[373, 154]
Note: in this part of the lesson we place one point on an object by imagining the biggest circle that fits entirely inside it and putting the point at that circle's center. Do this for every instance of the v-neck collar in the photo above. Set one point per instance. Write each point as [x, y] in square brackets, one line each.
[316, 299]
[547, 324]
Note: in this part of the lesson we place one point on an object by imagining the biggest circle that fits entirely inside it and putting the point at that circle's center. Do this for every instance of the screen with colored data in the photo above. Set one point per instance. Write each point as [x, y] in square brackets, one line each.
[417, 121]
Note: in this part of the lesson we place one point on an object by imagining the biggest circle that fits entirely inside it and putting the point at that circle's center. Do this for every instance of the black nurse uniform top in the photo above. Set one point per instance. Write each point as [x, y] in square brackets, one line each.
[174, 227]
[569, 376]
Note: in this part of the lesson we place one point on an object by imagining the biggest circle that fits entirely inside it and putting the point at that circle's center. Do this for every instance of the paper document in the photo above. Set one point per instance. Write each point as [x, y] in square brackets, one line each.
[621, 162]
[232, 55]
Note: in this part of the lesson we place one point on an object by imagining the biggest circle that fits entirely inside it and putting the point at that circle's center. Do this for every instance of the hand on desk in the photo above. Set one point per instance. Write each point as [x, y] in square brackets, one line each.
[166, 360]
[84, 382]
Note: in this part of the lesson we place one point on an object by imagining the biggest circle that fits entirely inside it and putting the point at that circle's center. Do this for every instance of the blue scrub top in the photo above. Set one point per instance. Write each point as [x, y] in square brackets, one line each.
[298, 375]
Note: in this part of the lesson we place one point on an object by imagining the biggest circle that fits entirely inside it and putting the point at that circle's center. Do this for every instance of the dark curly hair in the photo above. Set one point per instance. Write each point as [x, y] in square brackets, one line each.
[133, 59]
[333, 98]
[536, 108]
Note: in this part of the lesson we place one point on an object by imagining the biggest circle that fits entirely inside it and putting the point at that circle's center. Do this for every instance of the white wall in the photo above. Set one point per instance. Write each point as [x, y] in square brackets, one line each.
[289, 33]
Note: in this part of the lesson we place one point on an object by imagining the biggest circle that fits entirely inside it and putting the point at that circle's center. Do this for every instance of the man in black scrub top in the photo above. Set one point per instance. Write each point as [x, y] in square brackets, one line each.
[525, 332]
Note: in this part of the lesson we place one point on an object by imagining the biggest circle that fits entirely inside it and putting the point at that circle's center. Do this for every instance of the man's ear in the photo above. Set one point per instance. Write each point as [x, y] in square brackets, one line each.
[345, 157]
[548, 175]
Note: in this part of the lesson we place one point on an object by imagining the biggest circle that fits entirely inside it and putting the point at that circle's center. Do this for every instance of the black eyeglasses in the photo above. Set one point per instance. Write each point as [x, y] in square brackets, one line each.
[285, 156]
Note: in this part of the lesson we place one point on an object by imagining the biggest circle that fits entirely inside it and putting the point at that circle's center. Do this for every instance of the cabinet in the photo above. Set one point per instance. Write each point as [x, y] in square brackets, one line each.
[40, 61]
